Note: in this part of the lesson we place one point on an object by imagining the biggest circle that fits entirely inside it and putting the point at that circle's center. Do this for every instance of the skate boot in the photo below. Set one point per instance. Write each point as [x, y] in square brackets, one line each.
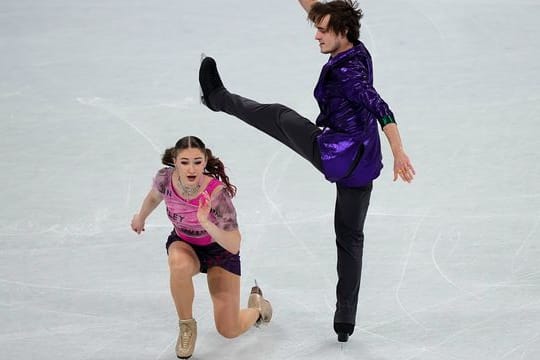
[209, 81]
[343, 331]
[257, 301]
[186, 338]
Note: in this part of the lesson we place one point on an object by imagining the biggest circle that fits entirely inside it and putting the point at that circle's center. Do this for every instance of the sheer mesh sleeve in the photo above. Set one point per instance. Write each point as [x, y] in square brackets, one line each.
[224, 211]
[161, 180]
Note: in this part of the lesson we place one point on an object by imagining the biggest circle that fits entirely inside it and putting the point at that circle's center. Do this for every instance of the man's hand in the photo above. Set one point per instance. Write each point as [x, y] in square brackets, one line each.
[307, 4]
[403, 167]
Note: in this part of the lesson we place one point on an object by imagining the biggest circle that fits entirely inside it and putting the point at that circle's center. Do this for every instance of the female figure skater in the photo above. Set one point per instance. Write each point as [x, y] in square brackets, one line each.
[205, 239]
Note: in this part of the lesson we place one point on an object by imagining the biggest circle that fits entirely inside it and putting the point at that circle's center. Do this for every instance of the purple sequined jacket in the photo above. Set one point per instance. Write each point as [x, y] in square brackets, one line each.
[350, 110]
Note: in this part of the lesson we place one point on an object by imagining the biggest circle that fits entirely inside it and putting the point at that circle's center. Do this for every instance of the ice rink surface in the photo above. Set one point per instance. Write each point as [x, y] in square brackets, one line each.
[92, 92]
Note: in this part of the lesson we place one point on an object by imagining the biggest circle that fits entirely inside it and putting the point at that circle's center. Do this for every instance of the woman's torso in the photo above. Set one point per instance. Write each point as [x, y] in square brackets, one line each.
[182, 212]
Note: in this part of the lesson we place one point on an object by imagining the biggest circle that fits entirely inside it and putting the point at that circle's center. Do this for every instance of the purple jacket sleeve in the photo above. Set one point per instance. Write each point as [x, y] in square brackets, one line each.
[358, 88]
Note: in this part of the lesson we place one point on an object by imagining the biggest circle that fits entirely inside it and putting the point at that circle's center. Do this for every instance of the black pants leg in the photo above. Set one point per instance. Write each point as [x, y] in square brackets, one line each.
[350, 213]
[276, 120]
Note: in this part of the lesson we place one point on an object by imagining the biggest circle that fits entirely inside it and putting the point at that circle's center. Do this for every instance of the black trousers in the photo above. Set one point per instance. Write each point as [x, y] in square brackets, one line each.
[300, 134]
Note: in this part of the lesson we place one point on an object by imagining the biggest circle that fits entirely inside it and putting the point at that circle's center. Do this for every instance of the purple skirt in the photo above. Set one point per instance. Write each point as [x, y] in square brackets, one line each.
[211, 255]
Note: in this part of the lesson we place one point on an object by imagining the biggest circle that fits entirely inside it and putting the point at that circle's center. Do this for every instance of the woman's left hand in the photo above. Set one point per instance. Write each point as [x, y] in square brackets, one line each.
[204, 208]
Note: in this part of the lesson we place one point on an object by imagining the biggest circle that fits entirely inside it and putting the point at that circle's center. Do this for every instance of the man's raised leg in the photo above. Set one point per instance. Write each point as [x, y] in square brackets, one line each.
[280, 122]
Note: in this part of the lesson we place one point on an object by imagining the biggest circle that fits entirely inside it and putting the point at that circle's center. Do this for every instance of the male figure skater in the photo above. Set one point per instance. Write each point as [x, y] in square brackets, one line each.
[347, 148]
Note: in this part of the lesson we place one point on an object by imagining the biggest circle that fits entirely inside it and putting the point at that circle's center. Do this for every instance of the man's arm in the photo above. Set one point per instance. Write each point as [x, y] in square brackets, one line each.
[360, 91]
[307, 4]
[402, 165]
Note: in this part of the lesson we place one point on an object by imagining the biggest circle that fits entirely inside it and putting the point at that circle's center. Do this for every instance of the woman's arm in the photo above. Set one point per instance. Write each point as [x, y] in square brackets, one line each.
[226, 234]
[229, 240]
[151, 201]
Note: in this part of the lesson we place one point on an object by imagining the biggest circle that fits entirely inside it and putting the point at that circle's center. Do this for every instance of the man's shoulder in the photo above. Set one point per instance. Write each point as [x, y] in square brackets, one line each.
[359, 51]
[353, 57]
[356, 63]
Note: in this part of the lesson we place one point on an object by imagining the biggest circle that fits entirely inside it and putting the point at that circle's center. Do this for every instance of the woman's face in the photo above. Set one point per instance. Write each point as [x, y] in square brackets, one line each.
[190, 164]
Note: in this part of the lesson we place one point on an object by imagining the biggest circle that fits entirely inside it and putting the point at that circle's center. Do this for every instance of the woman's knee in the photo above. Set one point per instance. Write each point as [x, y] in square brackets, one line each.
[182, 262]
[227, 331]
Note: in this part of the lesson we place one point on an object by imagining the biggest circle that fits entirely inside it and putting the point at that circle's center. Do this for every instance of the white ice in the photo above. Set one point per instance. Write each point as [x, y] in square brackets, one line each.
[91, 93]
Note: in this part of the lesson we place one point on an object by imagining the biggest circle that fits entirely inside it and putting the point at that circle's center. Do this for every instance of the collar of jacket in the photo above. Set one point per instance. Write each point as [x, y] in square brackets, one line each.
[357, 48]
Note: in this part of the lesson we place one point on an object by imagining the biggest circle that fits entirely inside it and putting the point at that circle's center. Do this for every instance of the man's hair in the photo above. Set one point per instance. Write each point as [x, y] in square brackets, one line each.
[345, 17]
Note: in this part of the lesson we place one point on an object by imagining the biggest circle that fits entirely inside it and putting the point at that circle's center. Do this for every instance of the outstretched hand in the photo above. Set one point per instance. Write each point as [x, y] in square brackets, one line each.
[403, 167]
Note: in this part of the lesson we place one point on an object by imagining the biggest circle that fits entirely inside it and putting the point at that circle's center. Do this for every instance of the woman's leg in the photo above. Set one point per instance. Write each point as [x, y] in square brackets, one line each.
[183, 265]
[230, 320]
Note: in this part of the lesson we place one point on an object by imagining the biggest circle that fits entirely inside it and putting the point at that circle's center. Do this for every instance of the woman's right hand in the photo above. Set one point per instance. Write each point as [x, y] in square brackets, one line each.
[137, 224]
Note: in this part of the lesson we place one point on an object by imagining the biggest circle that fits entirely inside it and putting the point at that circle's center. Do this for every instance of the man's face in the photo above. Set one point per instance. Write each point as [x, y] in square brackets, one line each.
[330, 42]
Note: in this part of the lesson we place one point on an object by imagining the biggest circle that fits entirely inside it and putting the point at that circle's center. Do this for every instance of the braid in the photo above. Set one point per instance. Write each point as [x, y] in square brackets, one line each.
[216, 169]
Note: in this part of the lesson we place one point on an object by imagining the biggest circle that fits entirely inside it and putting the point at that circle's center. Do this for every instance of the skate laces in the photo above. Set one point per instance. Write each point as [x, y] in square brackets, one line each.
[187, 334]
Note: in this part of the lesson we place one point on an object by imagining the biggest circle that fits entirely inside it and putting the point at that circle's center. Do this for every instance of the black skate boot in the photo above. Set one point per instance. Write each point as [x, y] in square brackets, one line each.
[209, 81]
[343, 331]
